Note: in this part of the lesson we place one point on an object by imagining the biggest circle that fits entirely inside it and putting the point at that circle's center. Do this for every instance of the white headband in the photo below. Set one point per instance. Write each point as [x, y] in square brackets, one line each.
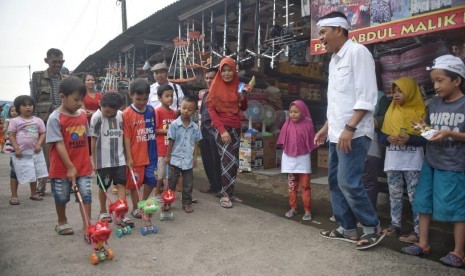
[333, 22]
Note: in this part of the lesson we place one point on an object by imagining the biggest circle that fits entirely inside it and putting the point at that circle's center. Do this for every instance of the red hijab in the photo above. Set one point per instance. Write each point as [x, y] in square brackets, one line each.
[297, 138]
[222, 95]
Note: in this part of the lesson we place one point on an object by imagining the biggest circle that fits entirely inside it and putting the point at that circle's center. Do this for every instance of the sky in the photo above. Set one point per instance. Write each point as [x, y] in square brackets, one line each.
[28, 28]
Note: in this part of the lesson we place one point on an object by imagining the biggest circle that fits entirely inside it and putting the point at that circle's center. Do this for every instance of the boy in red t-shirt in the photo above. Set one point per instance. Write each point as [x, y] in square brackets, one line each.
[140, 143]
[165, 115]
[69, 154]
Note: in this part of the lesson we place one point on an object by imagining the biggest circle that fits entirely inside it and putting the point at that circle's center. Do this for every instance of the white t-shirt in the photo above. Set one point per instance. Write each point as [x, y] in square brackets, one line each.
[403, 158]
[153, 96]
[109, 147]
[296, 164]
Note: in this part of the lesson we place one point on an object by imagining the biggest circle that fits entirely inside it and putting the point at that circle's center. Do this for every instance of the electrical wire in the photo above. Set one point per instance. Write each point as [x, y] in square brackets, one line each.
[95, 29]
[78, 20]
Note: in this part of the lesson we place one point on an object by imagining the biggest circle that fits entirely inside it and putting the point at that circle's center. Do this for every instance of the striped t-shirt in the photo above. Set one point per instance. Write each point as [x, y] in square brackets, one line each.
[109, 147]
[55, 84]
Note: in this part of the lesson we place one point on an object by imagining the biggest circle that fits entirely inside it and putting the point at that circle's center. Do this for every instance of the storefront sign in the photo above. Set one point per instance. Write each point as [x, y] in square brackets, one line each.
[442, 20]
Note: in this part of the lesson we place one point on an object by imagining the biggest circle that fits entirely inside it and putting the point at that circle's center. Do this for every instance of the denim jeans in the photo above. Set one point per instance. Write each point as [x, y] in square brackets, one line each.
[349, 198]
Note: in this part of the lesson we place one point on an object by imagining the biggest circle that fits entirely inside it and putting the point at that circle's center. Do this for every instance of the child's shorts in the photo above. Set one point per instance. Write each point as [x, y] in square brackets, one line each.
[440, 193]
[149, 176]
[113, 175]
[30, 166]
[161, 167]
[61, 188]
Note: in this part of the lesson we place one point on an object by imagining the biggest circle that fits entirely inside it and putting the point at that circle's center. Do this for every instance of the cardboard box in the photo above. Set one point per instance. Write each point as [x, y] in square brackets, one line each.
[323, 158]
[257, 152]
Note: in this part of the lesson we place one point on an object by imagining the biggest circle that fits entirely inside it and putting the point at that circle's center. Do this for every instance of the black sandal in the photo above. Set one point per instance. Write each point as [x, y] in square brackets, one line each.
[369, 240]
[336, 235]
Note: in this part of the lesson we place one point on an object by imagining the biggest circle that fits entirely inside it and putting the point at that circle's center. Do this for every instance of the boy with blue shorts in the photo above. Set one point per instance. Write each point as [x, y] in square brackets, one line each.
[140, 143]
[69, 153]
[440, 193]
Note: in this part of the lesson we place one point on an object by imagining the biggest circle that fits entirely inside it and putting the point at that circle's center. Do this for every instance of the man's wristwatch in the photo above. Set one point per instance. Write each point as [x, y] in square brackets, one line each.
[350, 128]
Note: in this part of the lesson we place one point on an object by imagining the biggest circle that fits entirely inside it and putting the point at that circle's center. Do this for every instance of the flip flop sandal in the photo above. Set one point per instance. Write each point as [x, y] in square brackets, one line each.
[36, 197]
[206, 190]
[336, 235]
[226, 203]
[127, 221]
[453, 260]
[14, 201]
[188, 208]
[416, 250]
[235, 199]
[290, 214]
[369, 240]
[105, 217]
[64, 229]
[136, 214]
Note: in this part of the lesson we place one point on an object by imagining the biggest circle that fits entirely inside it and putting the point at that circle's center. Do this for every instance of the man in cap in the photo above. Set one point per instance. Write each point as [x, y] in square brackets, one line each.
[160, 74]
[352, 96]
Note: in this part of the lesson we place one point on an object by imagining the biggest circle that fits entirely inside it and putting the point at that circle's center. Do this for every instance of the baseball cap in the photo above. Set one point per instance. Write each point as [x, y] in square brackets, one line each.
[449, 63]
[159, 66]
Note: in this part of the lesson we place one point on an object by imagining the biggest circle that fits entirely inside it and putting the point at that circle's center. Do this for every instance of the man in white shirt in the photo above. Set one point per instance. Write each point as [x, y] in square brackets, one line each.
[160, 74]
[352, 96]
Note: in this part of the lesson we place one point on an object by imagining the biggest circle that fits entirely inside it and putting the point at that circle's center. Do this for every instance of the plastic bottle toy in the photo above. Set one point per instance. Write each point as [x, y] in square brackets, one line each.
[97, 234]
[118, 211]
[148, 208]
[168, 197]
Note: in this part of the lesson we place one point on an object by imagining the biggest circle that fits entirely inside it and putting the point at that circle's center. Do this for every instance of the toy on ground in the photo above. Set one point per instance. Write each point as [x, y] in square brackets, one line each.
[97, 234]
[118, 211]
[168, 197]
[148, 208]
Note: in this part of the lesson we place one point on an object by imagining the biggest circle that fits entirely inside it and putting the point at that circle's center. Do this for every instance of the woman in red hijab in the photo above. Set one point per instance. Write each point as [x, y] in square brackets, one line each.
[223, 103]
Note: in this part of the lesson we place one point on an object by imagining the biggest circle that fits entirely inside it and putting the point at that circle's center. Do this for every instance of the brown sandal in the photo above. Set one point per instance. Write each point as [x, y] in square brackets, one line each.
[14, 201]
[188, 208]
[36, 197]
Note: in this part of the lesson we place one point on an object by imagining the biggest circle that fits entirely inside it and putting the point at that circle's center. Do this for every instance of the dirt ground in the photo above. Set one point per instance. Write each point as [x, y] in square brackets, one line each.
[211, 241]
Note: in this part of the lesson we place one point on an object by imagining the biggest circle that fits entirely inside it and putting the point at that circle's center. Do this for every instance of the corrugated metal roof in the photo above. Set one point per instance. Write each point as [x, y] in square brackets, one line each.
[161, 25]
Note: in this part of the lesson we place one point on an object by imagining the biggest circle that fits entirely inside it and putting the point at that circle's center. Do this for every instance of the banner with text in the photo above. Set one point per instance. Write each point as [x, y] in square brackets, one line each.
[442, 20]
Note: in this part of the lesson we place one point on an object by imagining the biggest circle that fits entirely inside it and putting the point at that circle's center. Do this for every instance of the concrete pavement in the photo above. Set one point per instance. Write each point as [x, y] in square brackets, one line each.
[211, 241]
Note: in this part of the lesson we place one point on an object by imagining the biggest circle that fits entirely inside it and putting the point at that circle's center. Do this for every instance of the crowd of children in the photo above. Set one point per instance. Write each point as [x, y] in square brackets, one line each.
[140, 142]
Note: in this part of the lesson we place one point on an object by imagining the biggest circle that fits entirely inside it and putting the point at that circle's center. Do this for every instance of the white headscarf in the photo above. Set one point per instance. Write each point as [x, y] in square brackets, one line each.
[333, 22]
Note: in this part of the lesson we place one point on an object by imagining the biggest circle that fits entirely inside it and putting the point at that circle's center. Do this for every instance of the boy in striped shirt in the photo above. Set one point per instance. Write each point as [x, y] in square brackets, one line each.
[107, 146]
